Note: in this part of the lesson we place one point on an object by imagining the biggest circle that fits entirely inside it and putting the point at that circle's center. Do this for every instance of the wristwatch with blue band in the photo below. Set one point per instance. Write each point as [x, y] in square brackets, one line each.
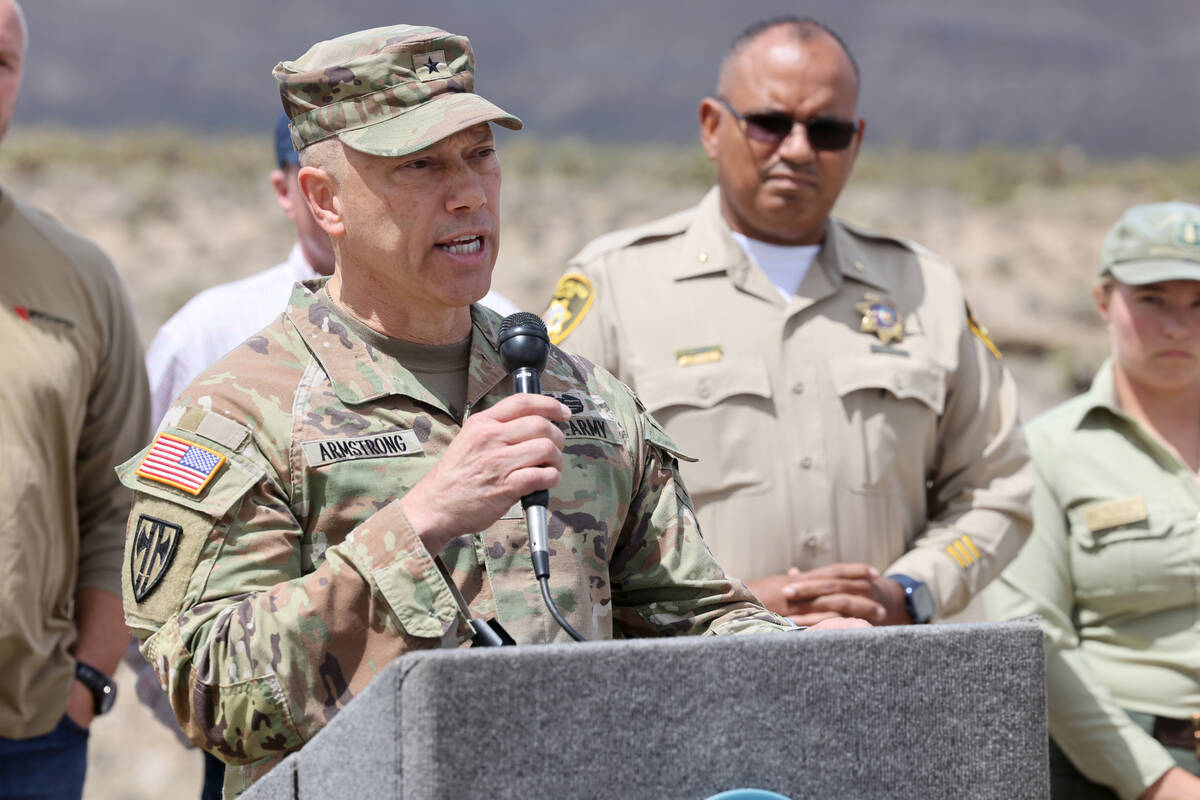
[917, 598]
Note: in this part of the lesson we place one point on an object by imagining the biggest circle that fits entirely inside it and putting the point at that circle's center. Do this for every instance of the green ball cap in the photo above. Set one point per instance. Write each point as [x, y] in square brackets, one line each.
[385, 91]
[1153, 243]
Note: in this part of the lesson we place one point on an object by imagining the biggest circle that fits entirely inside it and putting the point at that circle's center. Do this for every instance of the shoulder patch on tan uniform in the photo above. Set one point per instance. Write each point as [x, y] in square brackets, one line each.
[573, 297]
[982, 334]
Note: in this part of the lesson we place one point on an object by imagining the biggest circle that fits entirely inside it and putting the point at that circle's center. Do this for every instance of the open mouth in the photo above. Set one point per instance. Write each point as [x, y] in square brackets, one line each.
[462, 246]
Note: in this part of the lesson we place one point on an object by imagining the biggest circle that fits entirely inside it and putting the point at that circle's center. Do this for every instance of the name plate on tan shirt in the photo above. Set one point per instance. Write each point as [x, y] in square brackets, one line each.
[1114, 513]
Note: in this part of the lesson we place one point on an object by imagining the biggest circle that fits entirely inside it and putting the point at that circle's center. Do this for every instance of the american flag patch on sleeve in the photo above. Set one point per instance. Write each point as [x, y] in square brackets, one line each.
[180, 463]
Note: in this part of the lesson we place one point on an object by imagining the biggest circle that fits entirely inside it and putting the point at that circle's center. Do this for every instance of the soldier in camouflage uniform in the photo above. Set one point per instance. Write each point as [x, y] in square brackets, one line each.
[313, 501]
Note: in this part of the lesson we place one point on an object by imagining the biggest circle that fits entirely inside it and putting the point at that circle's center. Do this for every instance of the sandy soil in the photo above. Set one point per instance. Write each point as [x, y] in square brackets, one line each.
[1026, 264]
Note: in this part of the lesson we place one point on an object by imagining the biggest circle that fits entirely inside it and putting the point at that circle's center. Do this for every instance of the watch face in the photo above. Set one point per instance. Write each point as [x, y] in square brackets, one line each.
[102, 688]
[106, 698]
[922, 603]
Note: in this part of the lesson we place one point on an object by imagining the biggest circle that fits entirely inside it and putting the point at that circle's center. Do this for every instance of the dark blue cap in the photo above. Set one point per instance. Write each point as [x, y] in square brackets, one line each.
[284, 152]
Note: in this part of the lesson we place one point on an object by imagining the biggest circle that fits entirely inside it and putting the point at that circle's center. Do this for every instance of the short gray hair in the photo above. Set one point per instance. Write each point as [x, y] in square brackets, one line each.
[325, 155]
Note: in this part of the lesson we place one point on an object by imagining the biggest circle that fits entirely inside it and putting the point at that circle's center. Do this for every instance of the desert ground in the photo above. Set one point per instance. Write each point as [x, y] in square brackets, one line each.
[179, 213]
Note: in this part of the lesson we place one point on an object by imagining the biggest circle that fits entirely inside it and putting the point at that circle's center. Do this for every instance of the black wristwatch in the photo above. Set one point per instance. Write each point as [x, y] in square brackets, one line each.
[103, 689]
[917, 598]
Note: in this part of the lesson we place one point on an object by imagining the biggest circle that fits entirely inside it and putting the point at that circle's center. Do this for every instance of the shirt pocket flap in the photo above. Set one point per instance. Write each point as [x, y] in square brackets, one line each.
[658, 437]
[703, 385]
[1091, 537]
[903, 378]
[235, 477]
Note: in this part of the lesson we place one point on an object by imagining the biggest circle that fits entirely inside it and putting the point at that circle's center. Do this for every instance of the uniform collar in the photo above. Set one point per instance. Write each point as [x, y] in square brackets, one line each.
[709, 249]
[1101, 395]
[842, 253]
[360, 373]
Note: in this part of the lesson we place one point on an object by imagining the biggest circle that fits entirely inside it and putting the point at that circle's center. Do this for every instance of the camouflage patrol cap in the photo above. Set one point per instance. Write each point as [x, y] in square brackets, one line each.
[1153, 243]
[385, 91]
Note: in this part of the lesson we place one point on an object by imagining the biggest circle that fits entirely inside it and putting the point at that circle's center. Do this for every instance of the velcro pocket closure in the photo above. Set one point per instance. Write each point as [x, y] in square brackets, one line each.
[233, 479]
[904, 378]
[703, 385]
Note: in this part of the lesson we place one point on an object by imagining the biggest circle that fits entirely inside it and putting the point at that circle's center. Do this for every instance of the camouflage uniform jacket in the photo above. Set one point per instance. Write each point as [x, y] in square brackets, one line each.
[271, 597]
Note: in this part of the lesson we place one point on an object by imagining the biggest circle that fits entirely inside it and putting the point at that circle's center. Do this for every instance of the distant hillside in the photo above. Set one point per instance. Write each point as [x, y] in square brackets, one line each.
[1114, 77]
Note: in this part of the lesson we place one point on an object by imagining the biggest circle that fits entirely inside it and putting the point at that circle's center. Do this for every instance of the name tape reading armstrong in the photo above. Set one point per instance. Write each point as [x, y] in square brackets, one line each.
[380, 445]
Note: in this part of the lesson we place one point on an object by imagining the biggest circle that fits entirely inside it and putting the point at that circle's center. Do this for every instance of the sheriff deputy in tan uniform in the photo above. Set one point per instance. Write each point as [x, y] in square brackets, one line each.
[859, 446]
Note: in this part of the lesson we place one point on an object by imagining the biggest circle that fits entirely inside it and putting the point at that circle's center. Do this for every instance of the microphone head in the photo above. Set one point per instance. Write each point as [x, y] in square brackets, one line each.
[524, 341]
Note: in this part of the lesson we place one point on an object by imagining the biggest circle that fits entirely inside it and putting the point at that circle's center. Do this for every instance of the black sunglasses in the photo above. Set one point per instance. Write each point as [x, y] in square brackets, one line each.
[772, 127]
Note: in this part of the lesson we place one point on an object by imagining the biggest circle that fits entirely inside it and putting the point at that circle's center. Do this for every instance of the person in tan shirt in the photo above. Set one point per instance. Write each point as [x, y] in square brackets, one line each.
[74, 402]
[858, 440]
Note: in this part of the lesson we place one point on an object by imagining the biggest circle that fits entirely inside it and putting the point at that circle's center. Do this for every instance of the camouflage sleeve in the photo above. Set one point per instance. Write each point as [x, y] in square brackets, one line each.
[665, 580]
[255, 647]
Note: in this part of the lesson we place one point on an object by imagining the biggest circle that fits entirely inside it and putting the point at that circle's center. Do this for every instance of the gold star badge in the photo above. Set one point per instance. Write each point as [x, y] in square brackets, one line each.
[881, 319]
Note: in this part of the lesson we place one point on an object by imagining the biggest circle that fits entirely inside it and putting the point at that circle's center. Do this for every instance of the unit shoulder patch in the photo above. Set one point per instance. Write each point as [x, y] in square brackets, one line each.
[151, 549]
[573, 297]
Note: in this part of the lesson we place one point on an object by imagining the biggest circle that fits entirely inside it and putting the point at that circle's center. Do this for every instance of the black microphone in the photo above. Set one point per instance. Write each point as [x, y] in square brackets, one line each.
[525, 346]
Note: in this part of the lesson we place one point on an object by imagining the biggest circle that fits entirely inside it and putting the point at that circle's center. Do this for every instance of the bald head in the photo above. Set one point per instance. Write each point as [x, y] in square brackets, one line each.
[12, 58]
[801, 30]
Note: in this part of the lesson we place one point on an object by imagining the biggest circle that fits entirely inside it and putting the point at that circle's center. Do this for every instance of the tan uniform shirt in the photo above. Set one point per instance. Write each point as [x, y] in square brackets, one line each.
[818, 442]
[1113, 568]
[73, 403]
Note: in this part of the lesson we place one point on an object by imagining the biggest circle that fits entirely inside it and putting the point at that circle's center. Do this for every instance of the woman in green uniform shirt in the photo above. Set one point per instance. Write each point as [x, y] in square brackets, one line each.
[1113, 563]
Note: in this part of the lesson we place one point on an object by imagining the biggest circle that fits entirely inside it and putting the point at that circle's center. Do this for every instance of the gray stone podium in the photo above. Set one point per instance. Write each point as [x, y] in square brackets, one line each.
[937, 711]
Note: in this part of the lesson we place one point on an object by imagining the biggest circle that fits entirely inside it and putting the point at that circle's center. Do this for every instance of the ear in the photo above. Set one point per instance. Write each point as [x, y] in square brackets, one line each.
[320, 192]
[710, 119]
[1100, 294]
[858, 138]
[283, 197]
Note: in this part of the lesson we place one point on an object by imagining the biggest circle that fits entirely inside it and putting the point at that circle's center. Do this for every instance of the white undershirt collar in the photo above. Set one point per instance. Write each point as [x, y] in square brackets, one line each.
[785, 265]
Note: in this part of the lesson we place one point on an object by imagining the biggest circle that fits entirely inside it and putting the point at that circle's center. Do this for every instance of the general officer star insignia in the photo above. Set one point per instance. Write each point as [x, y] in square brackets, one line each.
[881, 319]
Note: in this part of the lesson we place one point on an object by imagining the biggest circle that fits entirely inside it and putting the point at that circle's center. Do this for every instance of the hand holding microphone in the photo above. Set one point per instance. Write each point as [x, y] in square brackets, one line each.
[508, 452]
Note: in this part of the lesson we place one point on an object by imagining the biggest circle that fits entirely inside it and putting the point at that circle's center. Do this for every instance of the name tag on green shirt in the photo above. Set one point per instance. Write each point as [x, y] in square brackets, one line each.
[1114, 513]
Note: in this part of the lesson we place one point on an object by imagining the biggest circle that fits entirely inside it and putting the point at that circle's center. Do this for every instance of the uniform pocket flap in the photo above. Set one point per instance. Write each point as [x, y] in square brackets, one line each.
[229, 483]
[1096, 525]
[702, 385]
[904, 378]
